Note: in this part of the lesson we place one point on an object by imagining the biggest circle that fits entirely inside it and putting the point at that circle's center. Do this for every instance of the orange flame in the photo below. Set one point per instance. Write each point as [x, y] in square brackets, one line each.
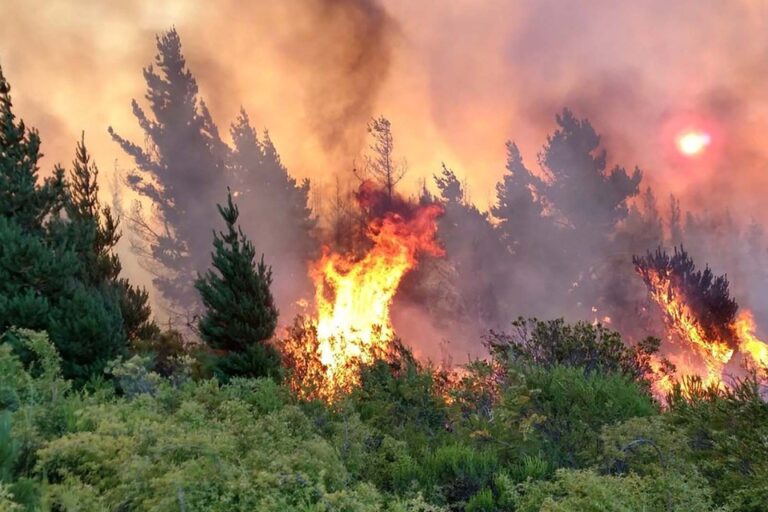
[662, 380]
[714, 353]
[679, 317]
[749, 344]
[353, 295]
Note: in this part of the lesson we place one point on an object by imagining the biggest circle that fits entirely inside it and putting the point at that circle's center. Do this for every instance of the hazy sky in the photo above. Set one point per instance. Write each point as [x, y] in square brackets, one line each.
[457, 78]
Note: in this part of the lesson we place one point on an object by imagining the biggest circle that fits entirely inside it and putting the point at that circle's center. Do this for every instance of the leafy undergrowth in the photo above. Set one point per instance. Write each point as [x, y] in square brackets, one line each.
[508, 435]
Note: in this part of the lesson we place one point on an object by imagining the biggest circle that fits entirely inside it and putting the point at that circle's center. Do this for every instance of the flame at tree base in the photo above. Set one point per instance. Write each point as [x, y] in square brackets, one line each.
[713, 347]
[353, 296]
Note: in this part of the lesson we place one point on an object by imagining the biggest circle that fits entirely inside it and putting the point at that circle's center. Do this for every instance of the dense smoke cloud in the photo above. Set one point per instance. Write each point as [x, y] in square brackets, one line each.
[457, 79]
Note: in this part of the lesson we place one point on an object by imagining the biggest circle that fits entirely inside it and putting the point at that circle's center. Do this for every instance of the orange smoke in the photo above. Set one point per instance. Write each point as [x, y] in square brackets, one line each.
[714, 353]
[353, 296]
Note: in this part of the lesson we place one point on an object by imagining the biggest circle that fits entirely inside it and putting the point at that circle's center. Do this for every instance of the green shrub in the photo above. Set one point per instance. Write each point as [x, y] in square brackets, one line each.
[581, 345]
[726, 430]
[481, 502]
[586, 491]
[457, 472]
[398, 396]
[575, 407]
[390, 465]
[9, 448]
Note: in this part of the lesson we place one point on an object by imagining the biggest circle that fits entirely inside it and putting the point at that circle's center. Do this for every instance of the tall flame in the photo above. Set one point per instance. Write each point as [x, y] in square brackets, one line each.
[714, 352]
[681, 319]
[353, 295]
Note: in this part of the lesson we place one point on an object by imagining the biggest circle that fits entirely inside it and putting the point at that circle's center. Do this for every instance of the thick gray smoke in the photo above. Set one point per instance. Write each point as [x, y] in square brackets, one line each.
[342, 49]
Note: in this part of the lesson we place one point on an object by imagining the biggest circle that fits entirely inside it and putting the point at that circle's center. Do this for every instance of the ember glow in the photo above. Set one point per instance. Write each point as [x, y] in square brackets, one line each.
[353, 294]
[693, 142]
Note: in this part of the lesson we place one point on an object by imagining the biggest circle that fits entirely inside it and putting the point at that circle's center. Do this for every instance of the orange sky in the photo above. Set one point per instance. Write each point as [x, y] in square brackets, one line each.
[456, 77]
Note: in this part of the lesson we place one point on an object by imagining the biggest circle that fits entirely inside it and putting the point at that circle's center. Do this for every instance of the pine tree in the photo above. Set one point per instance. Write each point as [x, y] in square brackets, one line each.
[20, 196]
[380, 163]
[240, 315]
[42, 283]
[520, 213]
[178, 171]
[98, 226]
[707, 295]
[474, 251]
[588, 202]
[276, 207]
[97, 232]
[590, 198]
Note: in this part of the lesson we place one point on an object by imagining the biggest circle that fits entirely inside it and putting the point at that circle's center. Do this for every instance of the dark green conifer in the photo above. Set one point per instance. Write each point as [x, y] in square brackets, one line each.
[42, 284]
[96, 231]
[20, 196]
[240, 315]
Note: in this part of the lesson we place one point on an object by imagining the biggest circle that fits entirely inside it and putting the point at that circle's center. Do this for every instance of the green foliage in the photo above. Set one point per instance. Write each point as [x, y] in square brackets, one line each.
[9, 447]
[21, 197]
[165, 349]
[398, 396]
[220, 454]
[391, 466]
[7, 500]
[95, 232]
[458, 472]
[133, 376]
[481, 502]
[726, 431]
[58, 272]
[240, 312]
[39, 289]
[586, 490]
[537, 419]
[582, 345]
[164, 443]
[574, 408]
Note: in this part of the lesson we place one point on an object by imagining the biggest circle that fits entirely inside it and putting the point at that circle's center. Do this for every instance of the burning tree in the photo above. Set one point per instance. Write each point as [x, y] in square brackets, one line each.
[353, 294]
[707, 297]
[699, 309]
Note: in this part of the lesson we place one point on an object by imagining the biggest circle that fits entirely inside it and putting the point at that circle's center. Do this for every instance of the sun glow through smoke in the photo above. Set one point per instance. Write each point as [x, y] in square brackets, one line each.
[693, 142]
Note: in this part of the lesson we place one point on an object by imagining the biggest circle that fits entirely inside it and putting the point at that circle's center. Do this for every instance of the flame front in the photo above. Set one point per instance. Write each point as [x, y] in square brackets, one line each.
[749, 344]
[714, 353]
[353, 295]
[679, 317]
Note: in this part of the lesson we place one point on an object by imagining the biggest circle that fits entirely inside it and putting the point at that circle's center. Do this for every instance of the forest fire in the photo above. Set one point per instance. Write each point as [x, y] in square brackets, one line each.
[715, 352]
[749, 345]
[353, 294]
[699, 311]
